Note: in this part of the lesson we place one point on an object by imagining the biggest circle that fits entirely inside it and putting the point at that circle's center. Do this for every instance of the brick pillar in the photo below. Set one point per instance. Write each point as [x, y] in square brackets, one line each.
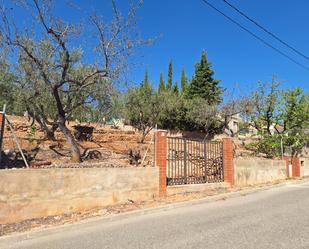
[160, 157]
[287, 162]
[228, 160]
[295, 166]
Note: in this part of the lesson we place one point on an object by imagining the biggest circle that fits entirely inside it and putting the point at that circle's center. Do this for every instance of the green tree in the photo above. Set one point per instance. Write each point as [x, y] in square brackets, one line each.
[47, 44]
[173, 110]
[146, 79]
[143, 108]
[170, 76]
[203, 117]
[184, 82]
[161, 84]
[294, 117]
[279, 116]
[175, 89]
[203, 84]
[7, 86]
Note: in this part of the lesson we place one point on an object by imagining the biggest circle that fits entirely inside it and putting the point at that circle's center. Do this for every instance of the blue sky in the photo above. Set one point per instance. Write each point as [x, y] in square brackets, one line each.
[188, 27]
[185, 28]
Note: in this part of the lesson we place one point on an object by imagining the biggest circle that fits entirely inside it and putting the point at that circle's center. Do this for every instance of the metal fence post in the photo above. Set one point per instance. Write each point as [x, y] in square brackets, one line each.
[205, 159]
[185, 159]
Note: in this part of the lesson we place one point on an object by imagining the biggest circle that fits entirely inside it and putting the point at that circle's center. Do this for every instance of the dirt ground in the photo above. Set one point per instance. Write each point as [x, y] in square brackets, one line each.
[113, 144]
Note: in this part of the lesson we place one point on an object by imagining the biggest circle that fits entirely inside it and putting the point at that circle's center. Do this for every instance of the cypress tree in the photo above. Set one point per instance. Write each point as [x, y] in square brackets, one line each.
[203, 84]
[170, 76]
[175, 89]
[184, 82]
[161, 84]
[145, 85]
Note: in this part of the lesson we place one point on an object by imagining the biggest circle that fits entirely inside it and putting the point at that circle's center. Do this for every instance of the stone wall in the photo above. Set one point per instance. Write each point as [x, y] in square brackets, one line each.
[32, 193]
[253, 171]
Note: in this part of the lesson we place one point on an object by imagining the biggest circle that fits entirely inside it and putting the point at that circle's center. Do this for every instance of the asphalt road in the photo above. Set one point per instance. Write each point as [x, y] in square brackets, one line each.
[275, 218]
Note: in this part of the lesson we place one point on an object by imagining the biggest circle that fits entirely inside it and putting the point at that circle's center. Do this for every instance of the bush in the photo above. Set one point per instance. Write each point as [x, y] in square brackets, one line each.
[269, 145]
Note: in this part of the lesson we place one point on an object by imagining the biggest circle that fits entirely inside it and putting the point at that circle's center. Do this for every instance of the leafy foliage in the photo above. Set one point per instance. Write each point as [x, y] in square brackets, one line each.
[280, 116]
[170, 77]
[51, 78]
[143, 108]
[268, 145]
[161, 84]
[203, 85]
[172, 115]
[204, 117]
[184, 82]
[172, 109]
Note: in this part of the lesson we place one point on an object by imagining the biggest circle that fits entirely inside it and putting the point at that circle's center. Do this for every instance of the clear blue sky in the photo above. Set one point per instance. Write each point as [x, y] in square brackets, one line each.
[186, 27]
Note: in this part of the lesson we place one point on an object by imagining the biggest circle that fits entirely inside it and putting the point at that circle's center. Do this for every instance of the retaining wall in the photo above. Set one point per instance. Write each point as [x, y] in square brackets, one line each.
[32, 193]
[253, 171]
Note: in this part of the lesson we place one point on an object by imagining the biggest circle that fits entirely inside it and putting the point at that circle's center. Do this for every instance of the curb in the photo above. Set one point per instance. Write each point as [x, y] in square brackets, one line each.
[32, 234]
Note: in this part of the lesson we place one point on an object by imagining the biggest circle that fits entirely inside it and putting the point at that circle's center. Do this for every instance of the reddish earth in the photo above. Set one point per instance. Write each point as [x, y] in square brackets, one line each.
[114, 144]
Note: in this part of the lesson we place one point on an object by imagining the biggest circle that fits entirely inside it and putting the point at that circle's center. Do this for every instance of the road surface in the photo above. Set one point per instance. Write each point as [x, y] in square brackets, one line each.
[274, 218]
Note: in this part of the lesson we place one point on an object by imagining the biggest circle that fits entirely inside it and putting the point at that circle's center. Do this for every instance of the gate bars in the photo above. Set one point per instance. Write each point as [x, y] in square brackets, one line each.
[192, 161]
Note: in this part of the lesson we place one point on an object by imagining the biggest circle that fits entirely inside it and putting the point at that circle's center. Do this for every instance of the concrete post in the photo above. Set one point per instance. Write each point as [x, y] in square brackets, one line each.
[287, 163]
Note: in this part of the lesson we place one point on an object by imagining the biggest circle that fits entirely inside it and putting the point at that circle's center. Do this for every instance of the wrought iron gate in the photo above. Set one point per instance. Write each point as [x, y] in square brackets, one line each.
[192, 161]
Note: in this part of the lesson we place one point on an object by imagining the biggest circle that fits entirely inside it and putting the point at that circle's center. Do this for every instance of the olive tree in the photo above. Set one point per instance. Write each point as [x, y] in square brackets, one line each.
[58, 74]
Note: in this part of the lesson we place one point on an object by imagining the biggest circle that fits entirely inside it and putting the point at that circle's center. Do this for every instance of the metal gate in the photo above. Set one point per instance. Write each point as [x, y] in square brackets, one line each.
[192, 161]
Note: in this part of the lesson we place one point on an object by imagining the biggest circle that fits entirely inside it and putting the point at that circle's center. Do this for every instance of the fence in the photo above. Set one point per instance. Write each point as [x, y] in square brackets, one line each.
[192, 161]
[188, 161]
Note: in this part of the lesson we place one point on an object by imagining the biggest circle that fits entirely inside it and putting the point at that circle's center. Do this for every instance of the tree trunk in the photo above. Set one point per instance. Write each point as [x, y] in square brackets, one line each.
[49, 135]
[76, 157]
[142, 137]
[144, 134]
[75, 152]
[49, 132]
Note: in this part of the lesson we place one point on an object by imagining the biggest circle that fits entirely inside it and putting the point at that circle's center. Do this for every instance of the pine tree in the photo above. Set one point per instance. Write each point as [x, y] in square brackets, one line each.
[161, 84]
[184, 82]
[203, 84]
[175, 88]
[170, 76]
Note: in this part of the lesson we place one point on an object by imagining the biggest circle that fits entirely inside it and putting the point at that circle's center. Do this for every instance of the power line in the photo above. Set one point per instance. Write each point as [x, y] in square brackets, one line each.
[256, 36]
[266, 30]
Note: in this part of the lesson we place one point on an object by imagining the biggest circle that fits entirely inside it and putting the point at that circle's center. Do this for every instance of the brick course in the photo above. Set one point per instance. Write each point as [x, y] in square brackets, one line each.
[161, 154]
[295, 161]
[228, 160]
[295, 166]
